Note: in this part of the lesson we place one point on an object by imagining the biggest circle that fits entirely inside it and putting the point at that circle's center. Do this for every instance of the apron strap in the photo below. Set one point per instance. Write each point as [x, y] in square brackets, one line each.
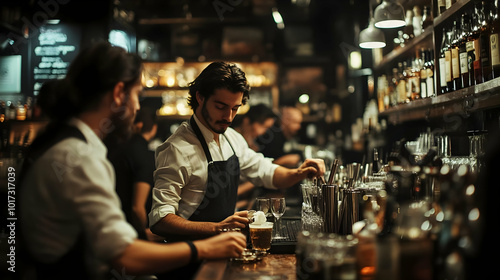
[200, 137]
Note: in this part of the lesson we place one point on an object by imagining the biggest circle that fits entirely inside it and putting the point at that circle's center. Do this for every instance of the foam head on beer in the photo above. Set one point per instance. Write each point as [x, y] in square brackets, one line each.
[259, 218]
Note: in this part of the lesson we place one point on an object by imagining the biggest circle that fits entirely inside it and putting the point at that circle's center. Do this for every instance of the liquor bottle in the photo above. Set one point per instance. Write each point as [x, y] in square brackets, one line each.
[442, 65]
[408, 29]
[406, 77]
[377, 164]
[430, 74]
[381, 89]
[423, 75]
[414, 79]
[473, 49]
[394, 86]
[448, 62]
[455, 61]
[476, 32]
[494, 37]
[441, 6]
[426, 18]
[2, 112]
[464, 69]
[401, 83]
[484, 36]
[417, 21]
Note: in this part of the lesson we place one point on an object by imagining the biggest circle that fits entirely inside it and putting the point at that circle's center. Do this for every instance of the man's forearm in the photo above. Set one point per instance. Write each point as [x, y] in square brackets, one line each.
[284, 177]
[173, 224]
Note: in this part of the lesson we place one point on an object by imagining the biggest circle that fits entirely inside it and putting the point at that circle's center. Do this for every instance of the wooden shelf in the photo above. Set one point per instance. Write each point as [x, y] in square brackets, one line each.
[464, 101]
[453, 11]
[425, 39]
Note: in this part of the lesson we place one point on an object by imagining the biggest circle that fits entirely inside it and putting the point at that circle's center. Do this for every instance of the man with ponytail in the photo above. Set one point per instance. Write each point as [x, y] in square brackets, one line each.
[72, 226]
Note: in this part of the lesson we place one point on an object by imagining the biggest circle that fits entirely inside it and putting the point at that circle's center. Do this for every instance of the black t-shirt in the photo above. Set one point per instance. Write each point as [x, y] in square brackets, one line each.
[133, 162]
[272, 142]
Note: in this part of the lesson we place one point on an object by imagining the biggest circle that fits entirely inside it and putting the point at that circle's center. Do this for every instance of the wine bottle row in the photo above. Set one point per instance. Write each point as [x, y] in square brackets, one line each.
[468, 55]
[412, 79]
[469, 52]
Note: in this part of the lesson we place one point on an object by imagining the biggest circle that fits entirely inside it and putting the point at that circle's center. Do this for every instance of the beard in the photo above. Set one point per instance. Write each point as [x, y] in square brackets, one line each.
[120, 124]
[208, 119]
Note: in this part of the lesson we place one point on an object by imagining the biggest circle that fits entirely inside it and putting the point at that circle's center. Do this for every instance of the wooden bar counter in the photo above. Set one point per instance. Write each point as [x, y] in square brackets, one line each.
[273, 266]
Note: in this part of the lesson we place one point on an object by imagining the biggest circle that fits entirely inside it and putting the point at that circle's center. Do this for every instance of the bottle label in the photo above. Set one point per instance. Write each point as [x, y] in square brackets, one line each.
[448, 4]
[473, 62]
[430, 86]
[447, 58]
[402, 91]
[469, 46]
[463, 63]
[423, 74]
[423, 88]
[495, 51]
[414, 83]
[455, 62]
[442, 72]
[485, 51]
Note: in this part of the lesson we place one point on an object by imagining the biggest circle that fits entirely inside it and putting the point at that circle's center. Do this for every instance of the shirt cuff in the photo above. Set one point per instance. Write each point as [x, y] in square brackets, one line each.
[157, 213]
[113, 242]
[267, 179]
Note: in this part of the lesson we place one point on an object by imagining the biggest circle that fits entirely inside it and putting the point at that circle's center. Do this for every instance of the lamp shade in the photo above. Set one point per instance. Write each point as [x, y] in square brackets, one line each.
[389, 14]
[371, 37]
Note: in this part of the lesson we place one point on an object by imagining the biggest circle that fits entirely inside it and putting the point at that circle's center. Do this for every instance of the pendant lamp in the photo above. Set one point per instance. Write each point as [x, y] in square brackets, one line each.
[371, 37]
[389, 14]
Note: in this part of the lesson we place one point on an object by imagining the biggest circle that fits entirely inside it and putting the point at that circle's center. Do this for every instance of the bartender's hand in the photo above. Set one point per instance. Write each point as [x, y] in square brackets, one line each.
[285, 178]
[237, 220]
[224, 245]
[312, 168]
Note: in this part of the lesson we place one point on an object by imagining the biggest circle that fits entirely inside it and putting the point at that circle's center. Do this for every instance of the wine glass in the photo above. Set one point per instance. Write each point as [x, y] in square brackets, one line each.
[278, 208]
[262, 204]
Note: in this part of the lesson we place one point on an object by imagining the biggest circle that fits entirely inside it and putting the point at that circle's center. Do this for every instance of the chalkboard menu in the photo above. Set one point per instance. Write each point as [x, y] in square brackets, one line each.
[53, 49]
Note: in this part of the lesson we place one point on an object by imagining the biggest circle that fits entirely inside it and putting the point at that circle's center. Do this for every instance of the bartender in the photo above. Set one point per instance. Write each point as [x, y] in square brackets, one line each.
[199, 166]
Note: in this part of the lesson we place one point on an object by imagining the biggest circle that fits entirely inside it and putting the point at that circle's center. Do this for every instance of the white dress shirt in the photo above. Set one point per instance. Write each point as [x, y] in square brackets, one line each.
[70, 189]
[182, 168]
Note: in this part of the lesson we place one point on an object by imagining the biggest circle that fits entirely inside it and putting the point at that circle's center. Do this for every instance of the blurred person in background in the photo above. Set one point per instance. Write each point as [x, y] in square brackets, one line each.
[254, 123]
[251, 125]
[71, 224]
[272, 143]
[134, 165]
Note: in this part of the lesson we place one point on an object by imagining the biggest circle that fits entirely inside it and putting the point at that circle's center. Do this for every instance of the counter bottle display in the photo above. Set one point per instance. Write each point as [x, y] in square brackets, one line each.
[484, 35]
[455, 60]
[494, 37]
[442, 65]
[464, 69]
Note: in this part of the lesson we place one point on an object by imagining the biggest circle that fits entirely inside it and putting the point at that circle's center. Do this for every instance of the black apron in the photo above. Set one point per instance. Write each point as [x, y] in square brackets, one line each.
[218, 203]
[223, 177]
[72, 264]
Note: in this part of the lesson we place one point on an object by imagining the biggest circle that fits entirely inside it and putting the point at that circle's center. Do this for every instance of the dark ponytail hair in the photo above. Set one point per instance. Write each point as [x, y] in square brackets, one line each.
[94, 72]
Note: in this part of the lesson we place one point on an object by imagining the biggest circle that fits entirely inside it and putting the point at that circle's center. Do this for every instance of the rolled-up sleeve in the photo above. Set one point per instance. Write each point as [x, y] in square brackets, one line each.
[98, 205]
[171, 174]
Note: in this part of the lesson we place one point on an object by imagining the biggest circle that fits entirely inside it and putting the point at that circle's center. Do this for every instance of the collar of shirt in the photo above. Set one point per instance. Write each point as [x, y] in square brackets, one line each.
[207, 133]
[221, 149]
[90, 135]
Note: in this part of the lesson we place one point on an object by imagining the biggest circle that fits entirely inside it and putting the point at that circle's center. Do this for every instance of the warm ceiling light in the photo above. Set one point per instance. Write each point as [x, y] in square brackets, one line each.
[371, 37]
[389, 14]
